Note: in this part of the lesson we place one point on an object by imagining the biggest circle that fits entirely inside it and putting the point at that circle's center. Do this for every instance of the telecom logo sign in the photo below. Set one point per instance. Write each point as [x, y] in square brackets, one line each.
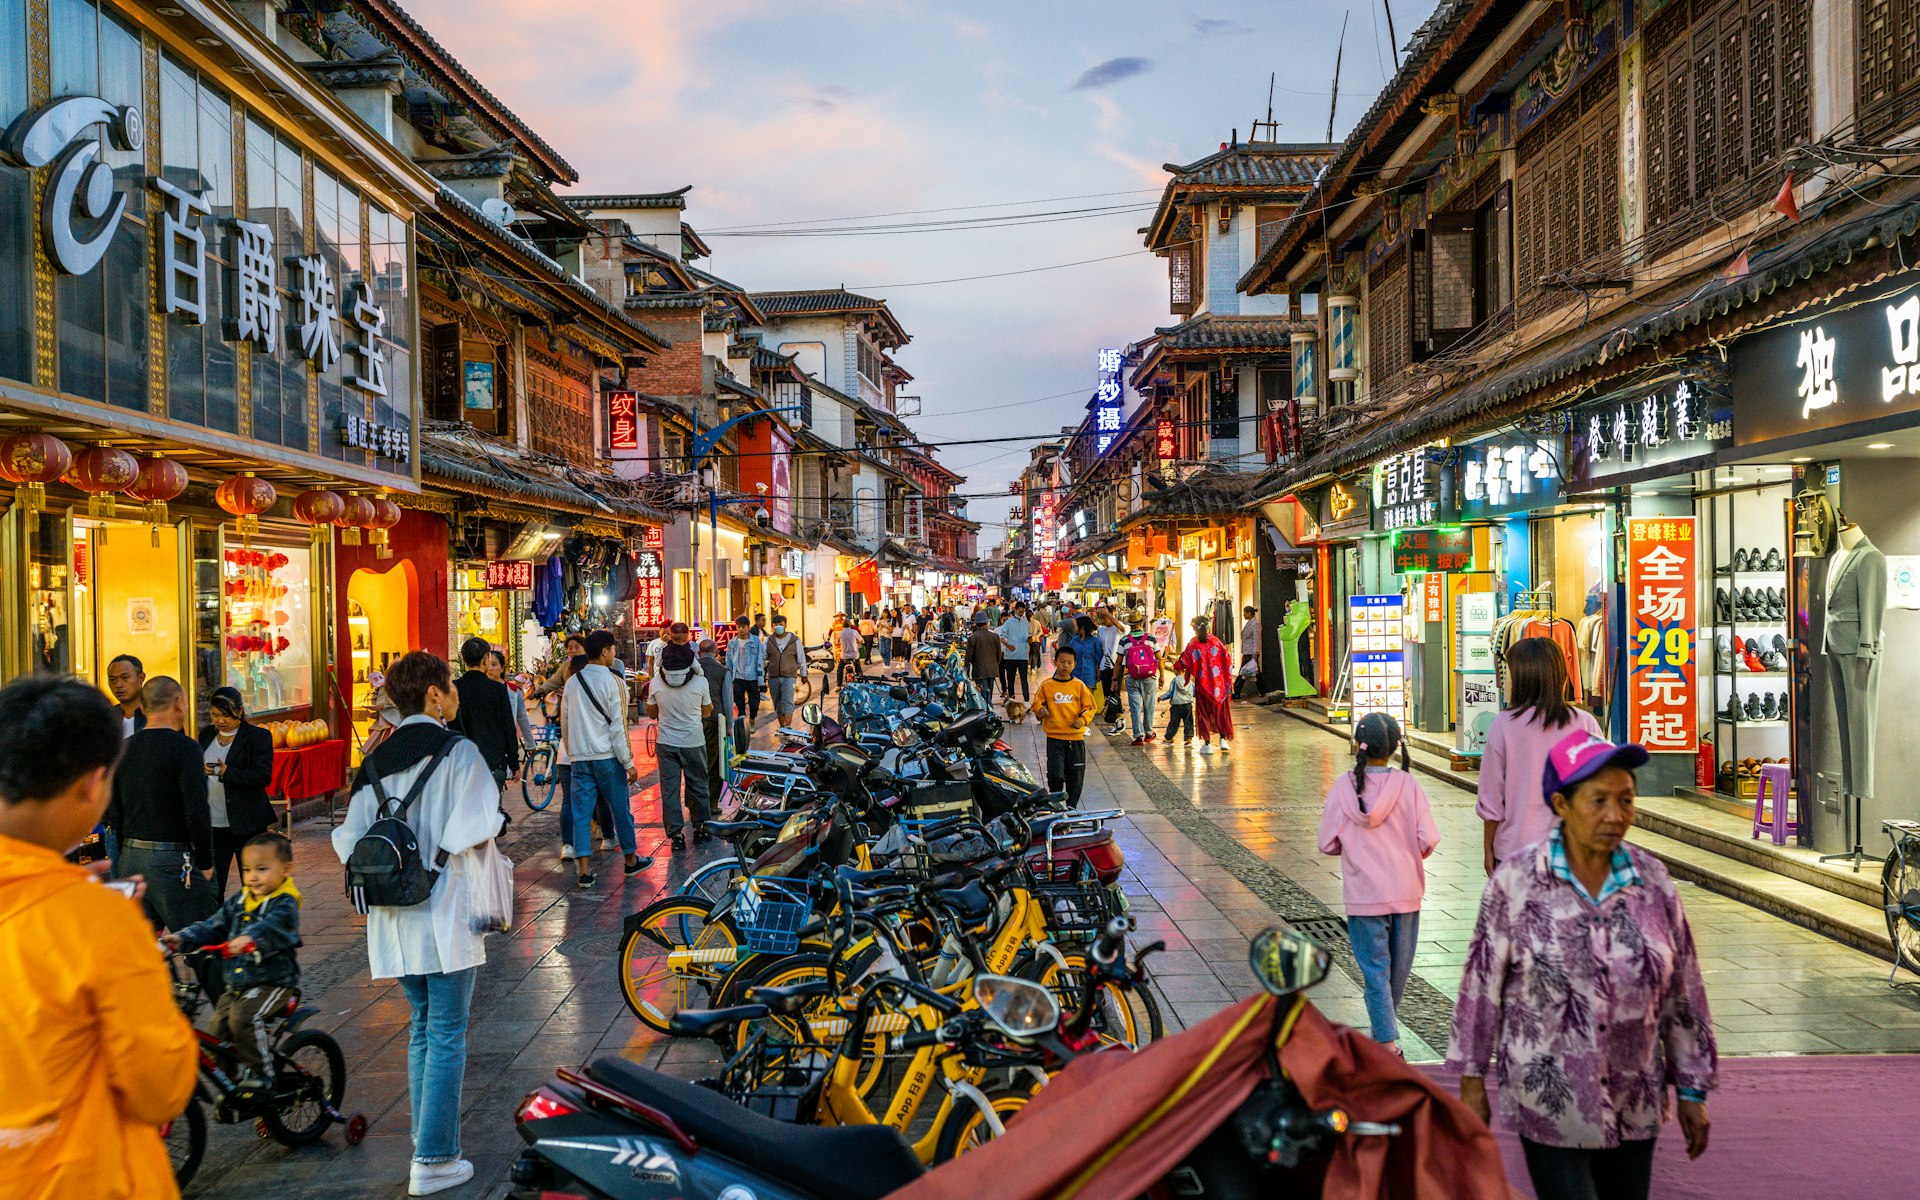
[1106, 402]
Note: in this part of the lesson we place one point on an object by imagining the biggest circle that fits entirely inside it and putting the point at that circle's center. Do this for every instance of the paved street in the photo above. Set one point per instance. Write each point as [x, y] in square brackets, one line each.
[1217, 849]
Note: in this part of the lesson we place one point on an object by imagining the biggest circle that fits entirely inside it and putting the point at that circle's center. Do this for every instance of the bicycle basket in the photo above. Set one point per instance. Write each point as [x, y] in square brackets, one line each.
[776, 1079]
[770, 914]
[1077, 912]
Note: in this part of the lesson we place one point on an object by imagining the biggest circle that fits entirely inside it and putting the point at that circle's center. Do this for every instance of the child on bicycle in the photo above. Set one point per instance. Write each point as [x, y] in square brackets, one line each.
[260, 925]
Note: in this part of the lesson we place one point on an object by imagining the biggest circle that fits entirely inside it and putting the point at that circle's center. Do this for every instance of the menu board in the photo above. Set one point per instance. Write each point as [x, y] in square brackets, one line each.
[1378, 655]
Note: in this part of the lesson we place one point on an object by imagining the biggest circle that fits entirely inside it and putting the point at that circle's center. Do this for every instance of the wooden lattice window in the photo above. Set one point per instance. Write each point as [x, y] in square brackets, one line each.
[1389, 323]
[1889, 72]
[1180, 280]
[560, 407]
[1567, 188]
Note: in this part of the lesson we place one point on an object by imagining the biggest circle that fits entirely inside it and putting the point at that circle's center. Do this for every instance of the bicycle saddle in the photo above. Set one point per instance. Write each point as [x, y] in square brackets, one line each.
[792, 998]
[862, 879]
[705, 1022]
[971, 903]
[732, 829]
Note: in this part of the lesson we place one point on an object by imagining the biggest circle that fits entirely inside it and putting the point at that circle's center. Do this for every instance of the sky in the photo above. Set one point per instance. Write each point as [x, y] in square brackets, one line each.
[811, 112]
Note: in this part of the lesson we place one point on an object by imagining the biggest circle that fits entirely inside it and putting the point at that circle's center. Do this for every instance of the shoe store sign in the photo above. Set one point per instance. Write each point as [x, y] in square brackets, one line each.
[1847, 363]
[1682, 419]
[1663, 670]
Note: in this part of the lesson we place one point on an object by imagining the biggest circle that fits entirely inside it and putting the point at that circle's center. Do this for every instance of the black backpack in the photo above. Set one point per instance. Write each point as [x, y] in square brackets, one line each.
[385, 869]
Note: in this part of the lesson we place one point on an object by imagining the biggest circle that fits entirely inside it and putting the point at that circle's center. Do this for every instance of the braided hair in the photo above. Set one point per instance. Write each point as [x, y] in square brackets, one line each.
[1376, 736]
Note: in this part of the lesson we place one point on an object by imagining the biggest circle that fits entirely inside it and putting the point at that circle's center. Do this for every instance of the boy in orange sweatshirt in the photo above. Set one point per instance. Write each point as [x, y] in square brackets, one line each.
[1066, 708]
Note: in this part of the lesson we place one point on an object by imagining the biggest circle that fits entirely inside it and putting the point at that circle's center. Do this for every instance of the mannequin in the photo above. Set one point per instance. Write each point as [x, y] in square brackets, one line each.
[1856, 609]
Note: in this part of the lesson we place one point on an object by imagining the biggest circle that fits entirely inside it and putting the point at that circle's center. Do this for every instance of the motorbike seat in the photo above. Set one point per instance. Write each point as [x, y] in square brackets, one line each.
[1075, 841]
[705, 1022]
[792, 998]
[728, 830]
[863, 878]
[853, 1162]
[971, 902]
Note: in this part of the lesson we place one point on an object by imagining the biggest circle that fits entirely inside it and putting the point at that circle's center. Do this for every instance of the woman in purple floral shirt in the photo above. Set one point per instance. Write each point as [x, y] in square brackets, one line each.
[1582, 976]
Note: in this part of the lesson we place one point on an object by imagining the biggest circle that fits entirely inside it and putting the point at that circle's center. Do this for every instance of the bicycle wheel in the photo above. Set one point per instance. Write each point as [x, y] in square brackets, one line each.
[1123, 1016]
[802, 690]
[186, 1139]
[538, 779]
[650, 740]
[673, 957]
[713, 880]
[1900, 891]
[966, 1126]
[311, 1080]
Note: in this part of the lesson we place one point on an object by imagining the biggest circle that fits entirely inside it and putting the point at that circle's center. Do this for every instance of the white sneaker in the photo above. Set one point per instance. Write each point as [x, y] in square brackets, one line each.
[427, 1178]
[566, 852]
[1206, 747]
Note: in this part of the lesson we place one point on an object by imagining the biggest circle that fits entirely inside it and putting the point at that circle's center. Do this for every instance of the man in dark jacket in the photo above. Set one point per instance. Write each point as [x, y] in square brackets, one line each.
[486, 713]
[159, 810]
[716, 675]
[984, 656]
[260, 925]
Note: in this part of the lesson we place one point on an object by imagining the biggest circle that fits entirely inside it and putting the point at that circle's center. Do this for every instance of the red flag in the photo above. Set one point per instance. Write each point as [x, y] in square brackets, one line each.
[1785, 204]
[865, 579]
[1738, 267]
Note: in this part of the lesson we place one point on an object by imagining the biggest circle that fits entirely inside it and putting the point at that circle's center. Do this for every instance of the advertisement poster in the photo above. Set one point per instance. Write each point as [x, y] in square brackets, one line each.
[1662, 621]
[1379, 656]
[478, 377]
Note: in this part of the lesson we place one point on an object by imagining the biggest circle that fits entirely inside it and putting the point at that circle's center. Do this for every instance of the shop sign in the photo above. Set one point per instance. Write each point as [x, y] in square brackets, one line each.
[623, 421]
[1843, 365]
[1678, 421]
[653, 537]
[1200, 547]
[1106, 402]
[1433, 597]
[649, 593]
[383, 441]
[1409, 492]
[1432, 550]
[1662, 616]
[514, 573]
[1378, 655]
[1165, 446]
[1509, 474]
[1346, 503]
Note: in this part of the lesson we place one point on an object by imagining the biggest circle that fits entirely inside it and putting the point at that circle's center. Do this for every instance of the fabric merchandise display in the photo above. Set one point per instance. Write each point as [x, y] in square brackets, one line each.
[1533, 616]
[549, 594]
[1591, 644]
[1856, 610]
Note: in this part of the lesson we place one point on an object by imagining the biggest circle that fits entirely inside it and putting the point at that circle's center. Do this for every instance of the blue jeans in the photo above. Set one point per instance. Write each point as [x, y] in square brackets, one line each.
[688, 763]
[1383, 946]
[1141, 694]
[437, 1060]
[595, 780]
[886, 649]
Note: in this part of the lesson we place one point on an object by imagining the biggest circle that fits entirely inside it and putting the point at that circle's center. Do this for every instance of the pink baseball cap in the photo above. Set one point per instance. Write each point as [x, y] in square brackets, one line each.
[1581, 755]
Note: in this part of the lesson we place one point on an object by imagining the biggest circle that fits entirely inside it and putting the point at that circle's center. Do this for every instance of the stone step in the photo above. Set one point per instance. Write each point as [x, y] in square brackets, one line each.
[1710, 827]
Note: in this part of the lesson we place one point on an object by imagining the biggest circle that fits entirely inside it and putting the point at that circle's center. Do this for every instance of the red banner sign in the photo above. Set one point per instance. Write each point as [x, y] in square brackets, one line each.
[1662, 626]
[1164, 445]
[623, 421]
[654, 538]
[510, 573]
[649, 593]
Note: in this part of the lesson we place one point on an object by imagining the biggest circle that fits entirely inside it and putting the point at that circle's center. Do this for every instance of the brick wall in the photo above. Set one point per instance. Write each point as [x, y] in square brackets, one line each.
[676, 371]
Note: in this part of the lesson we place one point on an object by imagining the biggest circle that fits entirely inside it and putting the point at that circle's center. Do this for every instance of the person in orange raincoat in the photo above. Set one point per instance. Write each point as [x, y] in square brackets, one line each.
[1113, 1124]
[94, 1056]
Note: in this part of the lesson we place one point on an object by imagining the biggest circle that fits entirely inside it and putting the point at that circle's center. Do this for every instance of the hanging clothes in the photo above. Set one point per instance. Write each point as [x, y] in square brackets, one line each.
[1561, 633]
[548, 598]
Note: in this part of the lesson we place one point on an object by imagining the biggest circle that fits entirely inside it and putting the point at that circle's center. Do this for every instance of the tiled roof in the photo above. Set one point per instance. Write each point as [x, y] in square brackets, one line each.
[664, 300]
[1256, 164]
[457, 455]
[401, 26]
[822, 300]
[1209, 494]
[673, 199]
[729, 384]
[769, 360]
[1215, 332]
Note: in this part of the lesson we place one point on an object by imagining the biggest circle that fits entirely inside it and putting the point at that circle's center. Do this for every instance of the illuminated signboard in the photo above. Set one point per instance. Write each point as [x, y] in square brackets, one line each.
[510, 573]
[623, 421]
[1164, 443]
[1106, 402]
[1409, 490]
[649, 596]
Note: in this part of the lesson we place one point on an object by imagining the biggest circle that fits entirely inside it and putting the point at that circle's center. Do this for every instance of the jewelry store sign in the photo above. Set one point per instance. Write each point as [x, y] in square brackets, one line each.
[1847, 363]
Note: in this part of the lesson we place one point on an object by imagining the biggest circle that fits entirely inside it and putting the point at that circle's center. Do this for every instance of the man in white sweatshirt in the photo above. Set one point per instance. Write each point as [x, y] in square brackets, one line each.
[597, 747]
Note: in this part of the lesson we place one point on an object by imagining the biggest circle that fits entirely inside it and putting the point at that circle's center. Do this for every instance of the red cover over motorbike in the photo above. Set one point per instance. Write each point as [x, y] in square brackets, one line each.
[1106, 1106]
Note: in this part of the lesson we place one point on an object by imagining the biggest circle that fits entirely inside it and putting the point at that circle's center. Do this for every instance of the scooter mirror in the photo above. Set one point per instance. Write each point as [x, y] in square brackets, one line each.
[1286, 961]
[1017, 1007]
[812, 713]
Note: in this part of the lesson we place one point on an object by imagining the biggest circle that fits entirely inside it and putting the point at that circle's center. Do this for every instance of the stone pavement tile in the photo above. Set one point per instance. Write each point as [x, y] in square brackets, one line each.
[1797, 1041]
[1788, 1022]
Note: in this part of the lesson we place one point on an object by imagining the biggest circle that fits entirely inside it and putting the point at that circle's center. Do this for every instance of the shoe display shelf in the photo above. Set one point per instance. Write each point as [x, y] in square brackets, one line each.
[1745, 601]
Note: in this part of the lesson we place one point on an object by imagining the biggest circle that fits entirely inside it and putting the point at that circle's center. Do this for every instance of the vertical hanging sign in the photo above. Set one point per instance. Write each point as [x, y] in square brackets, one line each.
[1662, 627]
[1106, 402]
[623, 421]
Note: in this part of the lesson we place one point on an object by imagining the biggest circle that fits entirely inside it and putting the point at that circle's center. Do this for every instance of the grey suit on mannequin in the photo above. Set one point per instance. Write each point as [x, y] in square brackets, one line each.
[1856, 609]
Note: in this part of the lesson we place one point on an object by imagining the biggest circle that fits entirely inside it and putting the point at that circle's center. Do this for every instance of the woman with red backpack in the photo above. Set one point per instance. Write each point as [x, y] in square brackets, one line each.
[1139, 657]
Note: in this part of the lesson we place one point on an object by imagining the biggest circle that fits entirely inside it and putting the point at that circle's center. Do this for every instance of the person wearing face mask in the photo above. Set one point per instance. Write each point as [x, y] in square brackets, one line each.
[786, 662]
[681, 703]
[239, 763]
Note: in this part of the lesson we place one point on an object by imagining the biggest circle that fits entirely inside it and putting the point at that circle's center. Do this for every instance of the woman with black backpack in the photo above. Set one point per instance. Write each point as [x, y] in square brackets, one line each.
[418, 843]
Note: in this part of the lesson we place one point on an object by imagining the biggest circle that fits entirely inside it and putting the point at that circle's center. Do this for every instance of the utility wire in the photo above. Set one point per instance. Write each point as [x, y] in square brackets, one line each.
[910, 212]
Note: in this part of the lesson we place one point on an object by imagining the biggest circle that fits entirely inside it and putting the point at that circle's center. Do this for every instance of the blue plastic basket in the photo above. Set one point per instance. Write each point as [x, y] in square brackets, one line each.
[770, 915]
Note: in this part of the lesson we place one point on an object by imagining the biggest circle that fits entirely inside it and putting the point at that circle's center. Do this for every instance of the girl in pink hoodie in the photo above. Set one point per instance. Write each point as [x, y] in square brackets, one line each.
[1379, 822]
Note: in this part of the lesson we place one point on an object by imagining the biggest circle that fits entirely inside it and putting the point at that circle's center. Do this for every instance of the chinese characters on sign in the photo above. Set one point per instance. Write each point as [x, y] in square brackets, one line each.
[1432, 550]
[1165, 446]
[1630, 431]
[384, 441]
[1817, 389]
[1508, 471]
[649, 596]
[514, 573]
[623, 421]
[1662, 670]
[1106, 402]
[1378, 655]
[1409, 490]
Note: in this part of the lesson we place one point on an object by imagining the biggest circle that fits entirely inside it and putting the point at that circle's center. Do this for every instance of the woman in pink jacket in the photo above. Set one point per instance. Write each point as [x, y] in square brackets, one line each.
[1379, 822]
[1517, 747]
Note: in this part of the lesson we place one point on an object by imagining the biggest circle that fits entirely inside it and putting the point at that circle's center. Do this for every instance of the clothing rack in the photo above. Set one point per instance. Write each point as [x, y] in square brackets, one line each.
[1540, 598]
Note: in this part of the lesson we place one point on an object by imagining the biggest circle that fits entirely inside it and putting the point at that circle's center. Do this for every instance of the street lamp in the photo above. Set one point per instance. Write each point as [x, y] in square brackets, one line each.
[703, 446]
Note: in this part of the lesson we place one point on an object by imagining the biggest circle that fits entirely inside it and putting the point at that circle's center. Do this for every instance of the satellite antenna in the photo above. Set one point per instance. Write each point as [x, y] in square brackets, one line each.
[1340, 51]
[498, 211]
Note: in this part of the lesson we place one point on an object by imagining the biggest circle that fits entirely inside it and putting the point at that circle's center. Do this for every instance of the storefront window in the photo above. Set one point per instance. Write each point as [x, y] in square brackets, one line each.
[487, 614]
[269, 625]
[16, 199]
[208, 673]
[274, 199]
[196, 147]
[49, 598]
[126, 597]
[103, 314]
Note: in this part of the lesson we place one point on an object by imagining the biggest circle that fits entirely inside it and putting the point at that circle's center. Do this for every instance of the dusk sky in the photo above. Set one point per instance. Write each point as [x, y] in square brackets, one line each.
[819, 110]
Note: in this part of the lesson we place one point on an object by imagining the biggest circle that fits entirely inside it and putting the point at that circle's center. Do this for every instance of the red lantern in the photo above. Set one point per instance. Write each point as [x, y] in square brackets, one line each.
[100, 472]
[159, 480]
[319, 508]
[386, 514]
[246, 496]
[31, 460]
[356, 512]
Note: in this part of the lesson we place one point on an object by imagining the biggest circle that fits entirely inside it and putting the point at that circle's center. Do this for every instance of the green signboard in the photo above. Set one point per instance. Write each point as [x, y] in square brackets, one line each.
[1425, 550]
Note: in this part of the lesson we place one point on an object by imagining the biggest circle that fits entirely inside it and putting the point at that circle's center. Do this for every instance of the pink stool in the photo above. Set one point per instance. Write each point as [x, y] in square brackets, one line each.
[1776, 782]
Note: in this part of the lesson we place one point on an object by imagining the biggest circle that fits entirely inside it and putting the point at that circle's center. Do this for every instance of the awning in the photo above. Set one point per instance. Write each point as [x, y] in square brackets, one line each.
[1092, 581]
